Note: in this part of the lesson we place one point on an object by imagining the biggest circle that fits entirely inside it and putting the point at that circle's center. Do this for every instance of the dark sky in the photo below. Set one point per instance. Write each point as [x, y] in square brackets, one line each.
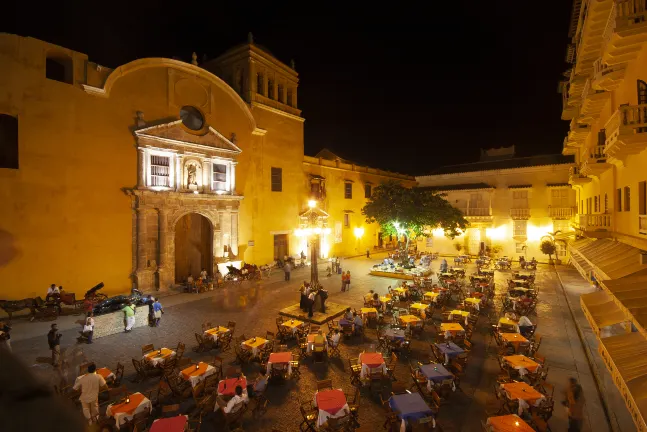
[394, 85]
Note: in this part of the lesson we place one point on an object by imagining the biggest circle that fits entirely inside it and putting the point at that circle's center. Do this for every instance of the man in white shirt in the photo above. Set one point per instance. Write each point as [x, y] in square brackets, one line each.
[234, 403]
[53, 290]
[334, 339]
[90, 384]
[203, 275]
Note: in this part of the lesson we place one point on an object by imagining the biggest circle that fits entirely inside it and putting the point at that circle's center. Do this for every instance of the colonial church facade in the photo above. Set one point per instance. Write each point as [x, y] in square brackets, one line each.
[146, 173]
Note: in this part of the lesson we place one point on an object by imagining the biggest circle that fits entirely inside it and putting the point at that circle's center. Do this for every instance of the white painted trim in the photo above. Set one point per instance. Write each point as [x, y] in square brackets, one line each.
[94, 91]
[280, 232]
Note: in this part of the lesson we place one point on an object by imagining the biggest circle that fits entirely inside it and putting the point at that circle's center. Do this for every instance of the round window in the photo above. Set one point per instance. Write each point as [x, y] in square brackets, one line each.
[192, 118]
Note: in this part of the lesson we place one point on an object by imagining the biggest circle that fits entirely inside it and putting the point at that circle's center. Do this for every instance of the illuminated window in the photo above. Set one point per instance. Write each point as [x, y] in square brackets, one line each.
[277, 179]
[519, 229]
[367, 191]
[160, 171]
[219, 179]
[348, 190]
[627, 199]
[8, 141]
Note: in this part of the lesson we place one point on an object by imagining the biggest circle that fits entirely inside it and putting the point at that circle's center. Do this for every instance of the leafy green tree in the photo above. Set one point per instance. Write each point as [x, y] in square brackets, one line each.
[548, 247]
[409, 212]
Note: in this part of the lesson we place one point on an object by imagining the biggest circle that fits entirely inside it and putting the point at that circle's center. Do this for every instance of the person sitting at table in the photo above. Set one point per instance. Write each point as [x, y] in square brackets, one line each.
[443, 266]
[203, 275]
[234, 403]
[359, 323]
[52, 291]
[334, 339]
[348, 315]
[319, 342]
[259, 385]
[525, 325]
[90, 384]
[376, 301]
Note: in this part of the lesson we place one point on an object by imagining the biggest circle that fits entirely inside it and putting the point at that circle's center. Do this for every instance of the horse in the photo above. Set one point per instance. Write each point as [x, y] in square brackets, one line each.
[11, 306]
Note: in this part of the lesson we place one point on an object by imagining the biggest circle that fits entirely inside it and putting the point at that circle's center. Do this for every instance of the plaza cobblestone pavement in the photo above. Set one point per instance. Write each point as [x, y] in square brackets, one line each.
[254, 307]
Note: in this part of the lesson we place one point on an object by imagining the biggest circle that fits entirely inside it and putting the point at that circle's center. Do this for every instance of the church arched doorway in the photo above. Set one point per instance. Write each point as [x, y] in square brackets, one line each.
[193, 246]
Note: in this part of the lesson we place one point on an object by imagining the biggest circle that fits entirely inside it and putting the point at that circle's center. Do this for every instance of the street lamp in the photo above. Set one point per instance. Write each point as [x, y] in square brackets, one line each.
[359, 232]
[312, 224]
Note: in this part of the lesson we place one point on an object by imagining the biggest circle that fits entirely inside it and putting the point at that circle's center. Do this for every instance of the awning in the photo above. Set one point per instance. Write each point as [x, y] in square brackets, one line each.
[630, 295]
[609, 259]
[626, 359]
[600, 310]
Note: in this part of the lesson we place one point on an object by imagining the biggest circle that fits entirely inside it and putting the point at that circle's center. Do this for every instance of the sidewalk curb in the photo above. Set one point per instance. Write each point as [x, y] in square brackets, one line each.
[609, 415]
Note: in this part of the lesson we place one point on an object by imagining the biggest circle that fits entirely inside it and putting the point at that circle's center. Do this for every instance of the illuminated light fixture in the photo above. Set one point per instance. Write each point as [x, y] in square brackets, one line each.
[498, 233]
[535, 233]
[359, 232]
[196, 192]
[438, 232]
[312, 203]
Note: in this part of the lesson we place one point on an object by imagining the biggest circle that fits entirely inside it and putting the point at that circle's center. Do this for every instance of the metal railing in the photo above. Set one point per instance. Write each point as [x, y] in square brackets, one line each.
[597, 154]
[627, 120]
[561, 212]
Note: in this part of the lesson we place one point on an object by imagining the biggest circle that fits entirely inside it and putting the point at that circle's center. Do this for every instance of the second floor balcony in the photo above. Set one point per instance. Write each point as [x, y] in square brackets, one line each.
[625, 31]
[607, 77]
[626, 131]
[578, 132]
[595, 225]
[561, 213]
[596, 163]
[476, 214]
[592, 102]
[520, 213]
[575, 177]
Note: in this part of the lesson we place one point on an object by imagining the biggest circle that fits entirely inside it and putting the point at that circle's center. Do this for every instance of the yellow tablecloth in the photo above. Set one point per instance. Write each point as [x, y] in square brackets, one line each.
[460, 312]
[473, 300]
[368, 311]
[453, 328]
[292, 324]
[401, 291]
[409, 319]
[419, 306]
[431, 295]
[521, 362]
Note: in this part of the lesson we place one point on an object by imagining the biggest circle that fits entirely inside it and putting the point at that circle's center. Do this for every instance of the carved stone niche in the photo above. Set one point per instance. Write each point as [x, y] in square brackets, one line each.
[192, 174]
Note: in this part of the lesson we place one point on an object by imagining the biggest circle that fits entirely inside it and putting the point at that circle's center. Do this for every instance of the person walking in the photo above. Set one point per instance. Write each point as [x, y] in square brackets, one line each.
[287, 268]
[158, 311]
[343, 282]
[129, 310]
[5, 337]
[575, 404]
[368, 252]
[311, 303]
[151, 316]
[88, 328]
[90, 385]
[54, 341]
[348, 280]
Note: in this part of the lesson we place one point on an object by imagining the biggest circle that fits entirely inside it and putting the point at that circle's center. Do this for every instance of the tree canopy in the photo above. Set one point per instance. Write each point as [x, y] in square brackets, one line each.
[410, 211]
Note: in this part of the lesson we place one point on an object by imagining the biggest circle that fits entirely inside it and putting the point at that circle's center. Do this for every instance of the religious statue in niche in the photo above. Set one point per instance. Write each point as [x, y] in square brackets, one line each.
[192, 176]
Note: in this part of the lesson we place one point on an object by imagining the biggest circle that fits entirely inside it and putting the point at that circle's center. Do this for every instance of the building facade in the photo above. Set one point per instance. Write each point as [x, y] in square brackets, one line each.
[511, 203]
[605, 99]
[146, 173]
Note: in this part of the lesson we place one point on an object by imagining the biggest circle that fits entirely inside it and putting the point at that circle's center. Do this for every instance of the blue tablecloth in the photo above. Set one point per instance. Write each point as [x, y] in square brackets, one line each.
[436, 372]
[345, 322]
[410, 406]
[394, 334]
[450, 351]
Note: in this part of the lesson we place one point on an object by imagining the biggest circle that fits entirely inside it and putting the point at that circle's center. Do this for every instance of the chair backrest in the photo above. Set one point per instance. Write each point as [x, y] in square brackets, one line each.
[147, 348]
[398, 388]
[324, 384]
[170, 408]
[269, 336]
[119, 373]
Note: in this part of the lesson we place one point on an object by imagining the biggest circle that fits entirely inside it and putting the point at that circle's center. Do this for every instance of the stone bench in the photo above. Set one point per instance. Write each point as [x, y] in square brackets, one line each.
[115, 322]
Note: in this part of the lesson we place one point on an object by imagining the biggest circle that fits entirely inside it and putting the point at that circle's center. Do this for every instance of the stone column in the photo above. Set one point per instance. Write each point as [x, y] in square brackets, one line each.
[163, 270]
[206, 175]
[178, 172]
[143, 274]
[141, 168]
[232, 178]
[225, 228]
[234, 233]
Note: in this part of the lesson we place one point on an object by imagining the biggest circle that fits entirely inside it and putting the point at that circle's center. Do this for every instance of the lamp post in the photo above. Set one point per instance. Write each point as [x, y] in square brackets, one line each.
[312, 223]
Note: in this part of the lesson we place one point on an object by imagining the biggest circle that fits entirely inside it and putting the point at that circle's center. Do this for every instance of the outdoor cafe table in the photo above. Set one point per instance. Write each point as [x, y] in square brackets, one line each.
[255, 344]
[508, 323]
[522, 363]
[343, 322]
[371, 362]
[158, 356]
[450, 350]
[292, 325]
[394, 334]
[368, 311]
[170, 424]
[330, 403]
[106, 373]
[514, 339]
[311, 342]
[474, 301]
[196, 375]
[410, 406]
[216, 332]
[227, 387]
[280, 358]
[436, 374]
[124, 411]
[521, 282]
[446, 275]
[431, 296]
[410, 320]
[420, 307]
[525, 394]
[400, 291]
[451, 328]
[507, 423]
[458, 312]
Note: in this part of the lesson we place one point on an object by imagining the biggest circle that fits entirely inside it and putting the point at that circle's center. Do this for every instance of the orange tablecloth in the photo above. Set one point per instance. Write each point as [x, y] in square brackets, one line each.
[372, 360]
[192, 371]
[135, 400]
[250, 343]
[155, 357]
[521, 390]
[515, 339]
[508, 423]
[521, 361]
[367, 311]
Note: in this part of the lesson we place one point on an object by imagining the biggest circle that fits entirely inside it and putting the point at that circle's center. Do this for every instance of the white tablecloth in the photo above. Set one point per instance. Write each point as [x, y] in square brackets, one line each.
[365, 370]
[215, 336]
[288, 366]
[255, 350]
[155, 360]
[122, 417]
[197, 379]
[325, 415]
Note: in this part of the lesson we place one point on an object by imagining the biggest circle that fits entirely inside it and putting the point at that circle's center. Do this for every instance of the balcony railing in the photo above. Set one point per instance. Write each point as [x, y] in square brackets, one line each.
[626, 131]
[520, 213]
[628, 12]
[561, 212]
[595, 222]
[476, 211]
[597, 154]
[642, 224]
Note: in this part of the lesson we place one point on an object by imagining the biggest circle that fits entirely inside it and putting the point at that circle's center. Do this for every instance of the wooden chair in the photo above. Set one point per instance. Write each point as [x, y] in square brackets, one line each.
[184, 363]
[243, 356]
[324, 385]
[295, 365]
[119, 375]
[398, 388]
[206, 326]
[225, 342]
[170, 410]
[355, 371]
[390, 366]
[162, 392]
[144, 370]
[217, 364]
[539, 359]
[147, 348]
[310, 415]
[231, 325]
[179, 351]
[204, 343]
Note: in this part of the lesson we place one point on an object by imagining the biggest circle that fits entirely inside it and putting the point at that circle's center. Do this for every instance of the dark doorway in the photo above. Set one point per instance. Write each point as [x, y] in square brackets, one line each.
[193, 246]
[280, 246]
[380, 241]
[642, 99]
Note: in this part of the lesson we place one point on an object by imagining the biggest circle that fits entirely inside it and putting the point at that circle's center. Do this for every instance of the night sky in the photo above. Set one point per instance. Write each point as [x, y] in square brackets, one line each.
[393, 85]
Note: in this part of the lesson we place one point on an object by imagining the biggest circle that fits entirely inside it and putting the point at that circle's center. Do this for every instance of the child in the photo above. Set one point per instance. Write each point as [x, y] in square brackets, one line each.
[158, 310]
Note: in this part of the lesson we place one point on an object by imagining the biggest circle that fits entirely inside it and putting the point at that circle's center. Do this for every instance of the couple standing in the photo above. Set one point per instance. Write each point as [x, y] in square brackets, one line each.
[345, 281]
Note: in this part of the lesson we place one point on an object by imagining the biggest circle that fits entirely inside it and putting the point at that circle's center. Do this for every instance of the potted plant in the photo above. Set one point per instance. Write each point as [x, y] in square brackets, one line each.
[459, 247]
[547, 247]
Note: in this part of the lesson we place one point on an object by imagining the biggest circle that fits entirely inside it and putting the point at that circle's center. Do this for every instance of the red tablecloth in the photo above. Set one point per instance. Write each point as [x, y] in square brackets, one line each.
[282, 357]
[230, 389]
[372, 360]
[331, 401]
[171, 424]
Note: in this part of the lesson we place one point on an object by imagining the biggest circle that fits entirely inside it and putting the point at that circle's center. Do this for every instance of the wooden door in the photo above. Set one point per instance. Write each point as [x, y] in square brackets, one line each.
[280, 246]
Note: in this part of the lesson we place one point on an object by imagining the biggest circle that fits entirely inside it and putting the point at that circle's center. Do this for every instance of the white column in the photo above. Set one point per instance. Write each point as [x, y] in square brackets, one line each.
[206, 175]
[234, 233]
[232, 178]
[141, 168]
[178, 173]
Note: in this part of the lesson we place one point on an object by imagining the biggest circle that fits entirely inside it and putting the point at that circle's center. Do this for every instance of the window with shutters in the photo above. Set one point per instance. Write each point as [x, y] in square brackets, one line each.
[260, 84]
[627, 199]
[520, 199]
[346, 220]
[160, 172]
[281, 96]
[277, 179]
[519, 229]
[642, 198]
[559, 198]
[367, 190]
[270, 89]
[348, 190]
